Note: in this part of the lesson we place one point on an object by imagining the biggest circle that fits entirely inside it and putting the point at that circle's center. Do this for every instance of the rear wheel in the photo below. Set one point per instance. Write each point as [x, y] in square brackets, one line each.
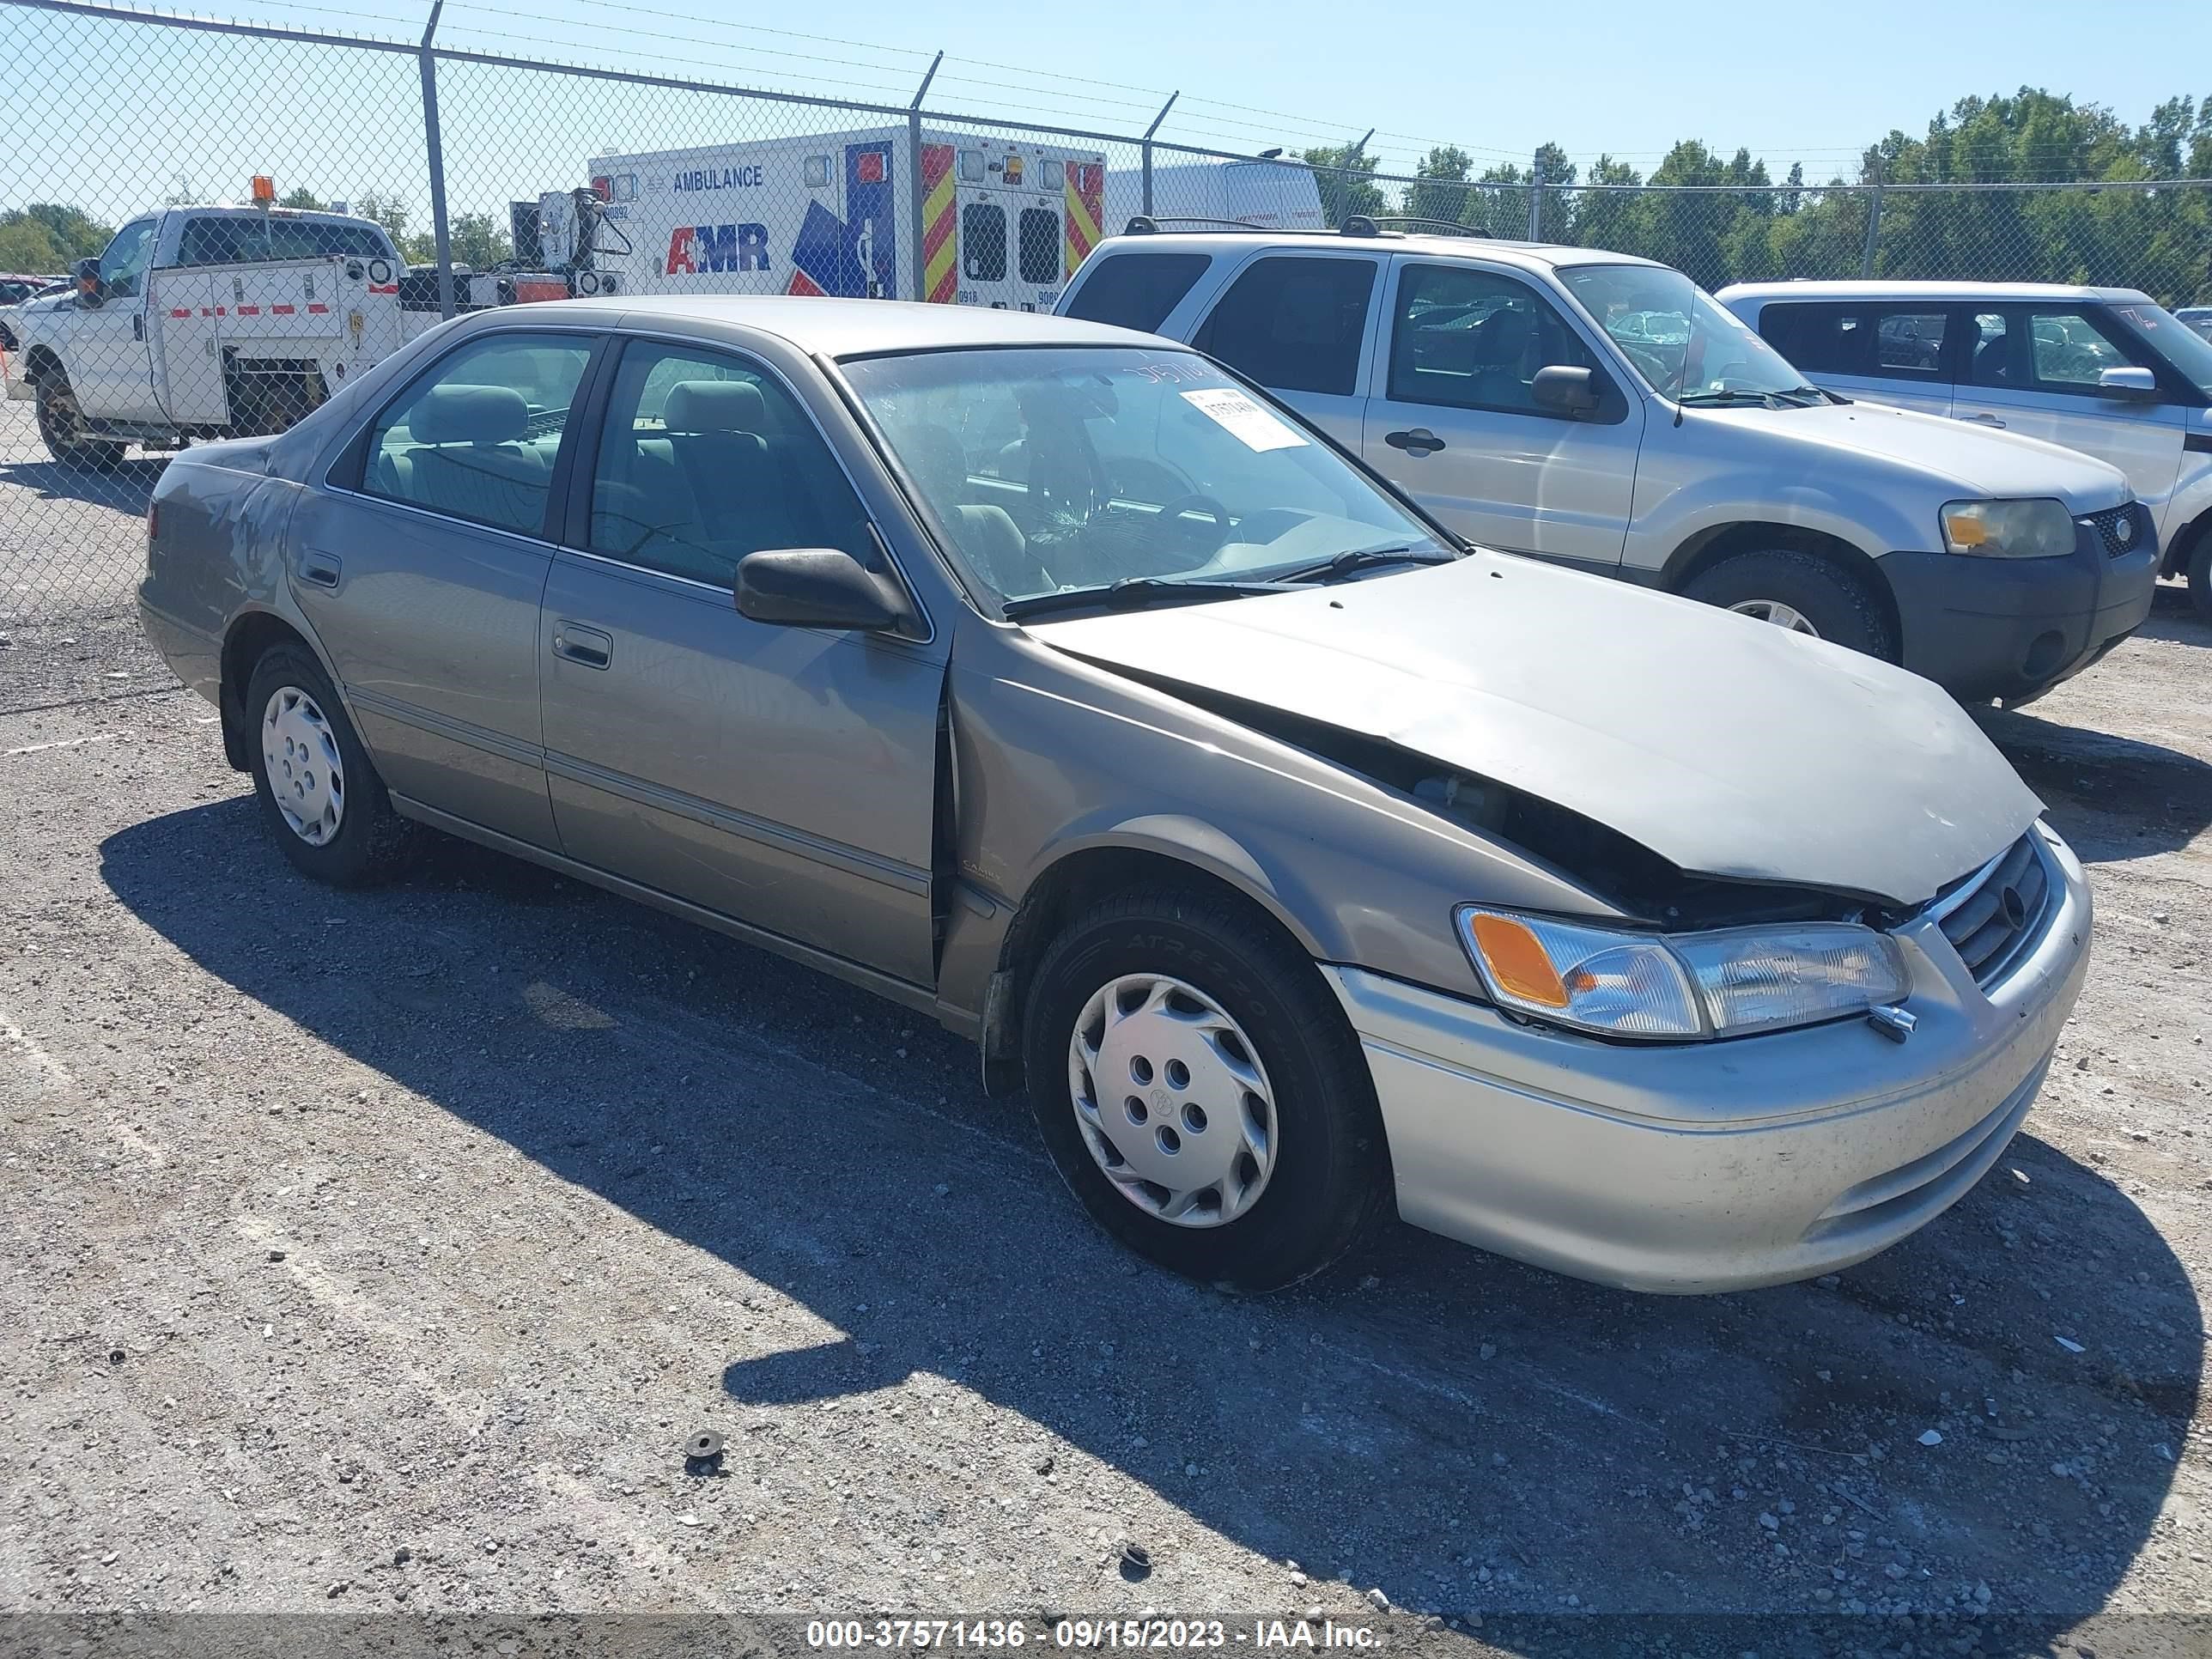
[1802, 592]
[1200, 1093]
[318, 792]
[2200, 574]
[62, 425]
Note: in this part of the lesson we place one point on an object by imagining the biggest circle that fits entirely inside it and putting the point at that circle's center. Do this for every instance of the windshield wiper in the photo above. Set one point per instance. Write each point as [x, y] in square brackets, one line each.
[1132, 591]
[1363, 558]
[1736, 397]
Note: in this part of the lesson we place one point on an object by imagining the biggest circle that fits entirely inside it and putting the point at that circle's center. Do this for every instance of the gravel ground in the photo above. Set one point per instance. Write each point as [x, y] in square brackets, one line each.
[379, 1251]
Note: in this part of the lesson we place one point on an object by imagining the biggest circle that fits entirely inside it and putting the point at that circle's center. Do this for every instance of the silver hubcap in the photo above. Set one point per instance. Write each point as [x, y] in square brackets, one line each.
[1172, 1100]
[307, 779]
[1781, 615]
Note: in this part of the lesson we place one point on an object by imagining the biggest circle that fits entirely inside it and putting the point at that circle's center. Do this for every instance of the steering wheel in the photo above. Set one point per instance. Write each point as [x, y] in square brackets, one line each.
[1181, 529]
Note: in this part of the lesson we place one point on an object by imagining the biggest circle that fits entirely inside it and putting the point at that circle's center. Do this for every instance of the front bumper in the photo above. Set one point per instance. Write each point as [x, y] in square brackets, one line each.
[1720, 1165]
[2015, 628]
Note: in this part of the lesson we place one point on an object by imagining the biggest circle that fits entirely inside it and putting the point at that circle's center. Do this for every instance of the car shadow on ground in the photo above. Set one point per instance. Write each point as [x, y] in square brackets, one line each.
[2113, 799]
[126, 486]
[1984, 1418]
[2174, 616]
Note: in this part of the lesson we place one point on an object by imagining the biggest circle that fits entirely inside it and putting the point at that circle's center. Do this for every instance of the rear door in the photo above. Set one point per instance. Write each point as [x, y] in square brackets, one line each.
[421, 567]
[1453, 420]
[782, 776]
[1302, 325]
[2035, 370]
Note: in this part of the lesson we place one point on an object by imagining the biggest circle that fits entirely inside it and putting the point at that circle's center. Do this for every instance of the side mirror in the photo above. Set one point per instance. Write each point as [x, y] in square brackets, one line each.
[1565, 391]
[816, 588]
[2130, 382]
[88, 285]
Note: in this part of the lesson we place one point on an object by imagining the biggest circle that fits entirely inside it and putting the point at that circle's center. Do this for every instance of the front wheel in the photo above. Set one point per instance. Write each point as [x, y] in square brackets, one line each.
[1199, 1092]
[1802, 592]
[68, 439]
[2200, 575]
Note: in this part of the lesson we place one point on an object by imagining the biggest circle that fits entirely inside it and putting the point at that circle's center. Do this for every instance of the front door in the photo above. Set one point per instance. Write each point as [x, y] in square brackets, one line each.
[110, 362]
[2034, 369]
[422, 575]
[782, 776]
[1455, 420]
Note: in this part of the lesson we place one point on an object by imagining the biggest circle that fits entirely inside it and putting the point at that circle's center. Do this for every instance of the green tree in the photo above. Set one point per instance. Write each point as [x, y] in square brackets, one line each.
[26, 246]
[304, 198]
[1439, 188]
[1344, 176]
[477, 240]
[74, 234]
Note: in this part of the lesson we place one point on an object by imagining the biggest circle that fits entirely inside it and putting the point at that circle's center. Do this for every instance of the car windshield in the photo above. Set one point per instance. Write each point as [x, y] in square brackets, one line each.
[1056, 471]
[1685, 344]
[2179, 344]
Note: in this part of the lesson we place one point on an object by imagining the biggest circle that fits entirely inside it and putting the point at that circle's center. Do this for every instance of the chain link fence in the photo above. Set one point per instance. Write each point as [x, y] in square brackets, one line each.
[455, 179]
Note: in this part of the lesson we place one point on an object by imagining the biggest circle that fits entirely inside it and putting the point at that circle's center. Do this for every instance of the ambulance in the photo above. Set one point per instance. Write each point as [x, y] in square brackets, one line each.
[862, 214]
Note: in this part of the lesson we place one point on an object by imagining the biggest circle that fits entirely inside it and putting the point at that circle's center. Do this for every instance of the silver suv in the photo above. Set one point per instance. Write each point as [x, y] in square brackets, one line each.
[2107, 371]
[1605, 412]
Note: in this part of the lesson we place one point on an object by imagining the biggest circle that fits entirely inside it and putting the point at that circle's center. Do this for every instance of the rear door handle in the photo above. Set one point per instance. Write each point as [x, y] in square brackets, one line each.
[579, 644]
[322, 569]
[1418, 441]
[1985, 420]
[138, 326]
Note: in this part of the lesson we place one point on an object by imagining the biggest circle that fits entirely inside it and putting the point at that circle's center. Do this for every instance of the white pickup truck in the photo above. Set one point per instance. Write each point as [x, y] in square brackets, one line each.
[207, 322]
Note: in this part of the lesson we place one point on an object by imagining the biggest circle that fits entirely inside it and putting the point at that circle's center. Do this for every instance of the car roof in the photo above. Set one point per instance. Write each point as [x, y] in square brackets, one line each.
[1999, 292]
[848, 328]
[1529, 256]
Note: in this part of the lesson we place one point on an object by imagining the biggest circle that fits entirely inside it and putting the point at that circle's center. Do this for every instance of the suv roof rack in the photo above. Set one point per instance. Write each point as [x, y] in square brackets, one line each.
[1451, 225]
[1357, 224]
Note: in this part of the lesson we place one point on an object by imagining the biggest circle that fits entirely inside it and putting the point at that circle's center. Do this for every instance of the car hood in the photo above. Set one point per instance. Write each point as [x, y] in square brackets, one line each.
[1978, 460]
[1731, 748]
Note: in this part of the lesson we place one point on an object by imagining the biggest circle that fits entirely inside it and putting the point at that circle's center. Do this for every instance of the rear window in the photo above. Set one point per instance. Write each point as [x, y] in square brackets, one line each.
[1039, 249]
[1137, 290]
[308, 239]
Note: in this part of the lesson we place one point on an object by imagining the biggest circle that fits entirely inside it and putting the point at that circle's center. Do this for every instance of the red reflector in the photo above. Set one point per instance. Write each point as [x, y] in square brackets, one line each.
[153, 520]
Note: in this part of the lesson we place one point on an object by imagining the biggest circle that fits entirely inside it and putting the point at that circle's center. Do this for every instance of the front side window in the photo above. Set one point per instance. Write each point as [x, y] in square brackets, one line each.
[1474, 339]
[1294, 322]
[2068, 351]
[1039, 245]
[706, 458]
[983, 242]
[1051, 471]
[476, 438]
[122, 264]
[1137, 290]
[1686, 344]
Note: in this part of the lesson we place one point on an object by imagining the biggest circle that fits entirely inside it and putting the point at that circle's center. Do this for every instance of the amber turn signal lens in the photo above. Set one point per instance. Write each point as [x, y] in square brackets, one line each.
[1517, 963]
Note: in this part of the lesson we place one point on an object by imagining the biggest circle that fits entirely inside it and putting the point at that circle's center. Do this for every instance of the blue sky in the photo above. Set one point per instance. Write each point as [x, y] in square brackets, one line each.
[1809, 83]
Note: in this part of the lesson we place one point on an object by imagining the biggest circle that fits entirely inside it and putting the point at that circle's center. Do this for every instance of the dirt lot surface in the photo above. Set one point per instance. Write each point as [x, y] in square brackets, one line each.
[377, 1251]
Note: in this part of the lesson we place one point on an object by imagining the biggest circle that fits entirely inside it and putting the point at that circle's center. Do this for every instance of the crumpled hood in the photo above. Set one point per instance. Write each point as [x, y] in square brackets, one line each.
[1731, 748]
[1986, 461]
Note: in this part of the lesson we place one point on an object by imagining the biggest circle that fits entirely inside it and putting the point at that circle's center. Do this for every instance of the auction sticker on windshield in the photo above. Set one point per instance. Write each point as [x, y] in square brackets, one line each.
[1243, 419]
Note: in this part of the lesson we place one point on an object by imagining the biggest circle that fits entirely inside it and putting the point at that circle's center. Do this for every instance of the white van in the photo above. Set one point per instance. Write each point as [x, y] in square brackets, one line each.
[1604, 412]
[2104, 370]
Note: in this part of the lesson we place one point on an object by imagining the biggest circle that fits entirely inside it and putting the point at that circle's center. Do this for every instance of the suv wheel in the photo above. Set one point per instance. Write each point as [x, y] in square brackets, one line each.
[319, 796]
[68, 439]
[1200, 1093]
[2200, 573]
[1801, 592]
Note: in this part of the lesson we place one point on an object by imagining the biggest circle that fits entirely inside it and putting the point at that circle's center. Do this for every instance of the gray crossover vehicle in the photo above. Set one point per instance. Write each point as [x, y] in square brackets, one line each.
[1045, 677]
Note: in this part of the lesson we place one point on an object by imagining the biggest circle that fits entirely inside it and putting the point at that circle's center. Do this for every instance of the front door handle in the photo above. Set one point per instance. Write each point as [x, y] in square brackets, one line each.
[580, 644]
[322, 569]
[1419, 441]
[1985, 420]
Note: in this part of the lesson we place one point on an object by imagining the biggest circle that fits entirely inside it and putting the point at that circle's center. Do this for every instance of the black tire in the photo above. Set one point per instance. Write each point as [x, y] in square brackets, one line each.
[61, 424]
[1834, 601]
[2200, 574]
[1329, 1177]
[369, 837]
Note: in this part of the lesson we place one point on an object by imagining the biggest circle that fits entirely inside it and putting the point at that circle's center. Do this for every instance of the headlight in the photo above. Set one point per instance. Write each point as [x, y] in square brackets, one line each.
[2009, 530]
[1676, 987]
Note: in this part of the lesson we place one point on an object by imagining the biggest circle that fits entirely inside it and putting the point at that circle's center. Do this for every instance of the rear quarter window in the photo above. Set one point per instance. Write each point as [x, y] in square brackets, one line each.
[1137, 290]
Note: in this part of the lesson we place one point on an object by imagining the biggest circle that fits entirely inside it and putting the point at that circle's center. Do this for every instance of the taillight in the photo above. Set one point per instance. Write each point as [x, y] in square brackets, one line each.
[152, 532]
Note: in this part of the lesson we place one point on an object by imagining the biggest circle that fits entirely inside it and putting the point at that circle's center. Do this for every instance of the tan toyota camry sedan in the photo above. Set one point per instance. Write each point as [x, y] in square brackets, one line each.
[1298, 861]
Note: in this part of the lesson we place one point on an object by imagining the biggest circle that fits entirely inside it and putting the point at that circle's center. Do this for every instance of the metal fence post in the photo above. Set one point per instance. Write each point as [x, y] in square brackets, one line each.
[914, 181]
[1536, 199]
[1146, 144]
[438, 230]
[1874, 224]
